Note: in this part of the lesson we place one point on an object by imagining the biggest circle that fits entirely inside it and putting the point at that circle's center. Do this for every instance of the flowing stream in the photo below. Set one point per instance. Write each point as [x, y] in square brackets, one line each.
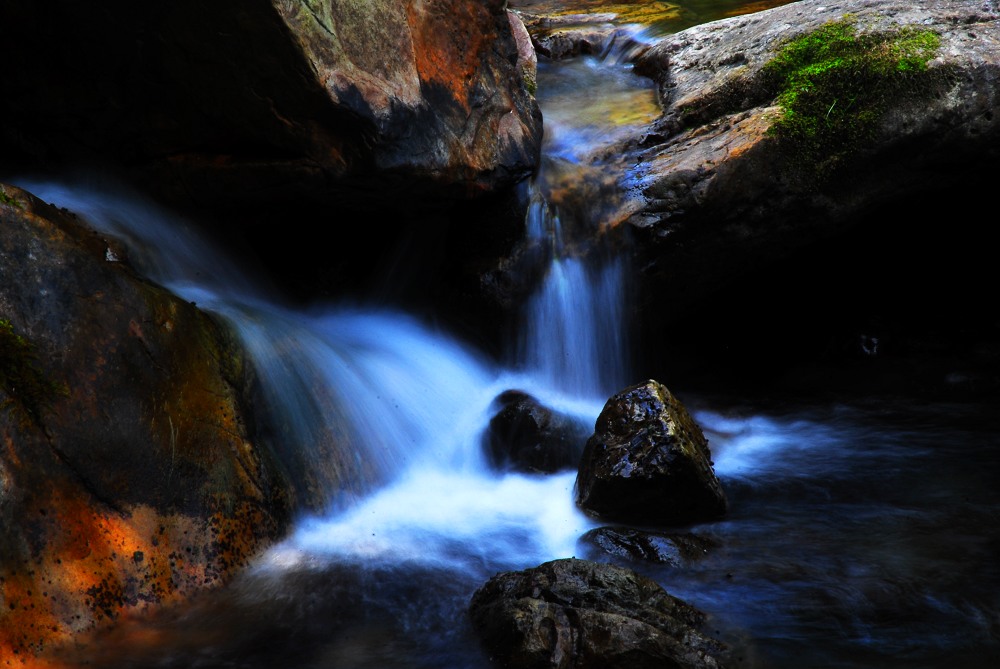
[860, 534]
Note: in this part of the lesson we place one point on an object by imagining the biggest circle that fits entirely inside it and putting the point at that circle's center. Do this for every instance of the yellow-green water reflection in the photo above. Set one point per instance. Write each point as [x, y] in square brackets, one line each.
[659, 16]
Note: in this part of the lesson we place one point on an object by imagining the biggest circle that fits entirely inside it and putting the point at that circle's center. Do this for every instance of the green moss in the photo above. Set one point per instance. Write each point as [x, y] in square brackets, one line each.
[835, 83]
[26, 386]
[530, 83]
[7, 199]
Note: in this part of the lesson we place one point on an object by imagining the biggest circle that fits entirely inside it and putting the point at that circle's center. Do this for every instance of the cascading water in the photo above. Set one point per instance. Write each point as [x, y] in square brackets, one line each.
[353, 370]
[426, 500]
[573, 336]
[574, 333]
[857, 536]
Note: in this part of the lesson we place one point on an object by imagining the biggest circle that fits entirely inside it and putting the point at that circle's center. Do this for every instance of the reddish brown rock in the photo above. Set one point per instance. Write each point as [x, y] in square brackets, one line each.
[130, 476]
[265, 101]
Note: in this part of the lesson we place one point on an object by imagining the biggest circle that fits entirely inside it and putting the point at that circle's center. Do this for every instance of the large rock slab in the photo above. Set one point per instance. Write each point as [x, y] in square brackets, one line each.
[586, 615]
[131, 474]
[258, 102]
[713, 180]
[648, 462]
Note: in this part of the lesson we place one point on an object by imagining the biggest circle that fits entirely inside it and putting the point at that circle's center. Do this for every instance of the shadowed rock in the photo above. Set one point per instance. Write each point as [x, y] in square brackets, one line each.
[526, 436]
[585, 615]
[268, 102]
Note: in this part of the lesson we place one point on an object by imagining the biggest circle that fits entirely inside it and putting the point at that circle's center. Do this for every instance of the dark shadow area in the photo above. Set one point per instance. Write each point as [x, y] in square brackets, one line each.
[901, 303]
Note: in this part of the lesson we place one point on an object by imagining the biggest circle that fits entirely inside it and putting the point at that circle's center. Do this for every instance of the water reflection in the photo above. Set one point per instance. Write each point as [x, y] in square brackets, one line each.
[589, 103]
[660, 17]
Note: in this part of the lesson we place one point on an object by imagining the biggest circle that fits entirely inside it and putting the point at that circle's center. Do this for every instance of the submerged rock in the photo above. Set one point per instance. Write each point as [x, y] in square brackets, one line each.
[644, 546]
[579, 614]
[648, 462]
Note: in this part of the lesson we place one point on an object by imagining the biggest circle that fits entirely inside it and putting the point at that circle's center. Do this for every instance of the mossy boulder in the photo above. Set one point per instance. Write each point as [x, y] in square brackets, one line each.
[836, 83]
[787, 127]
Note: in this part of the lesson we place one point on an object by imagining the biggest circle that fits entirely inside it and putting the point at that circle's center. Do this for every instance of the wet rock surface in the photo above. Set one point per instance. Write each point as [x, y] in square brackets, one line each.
[648, 462]
[526, 436]
[628, 543]
[588, 615]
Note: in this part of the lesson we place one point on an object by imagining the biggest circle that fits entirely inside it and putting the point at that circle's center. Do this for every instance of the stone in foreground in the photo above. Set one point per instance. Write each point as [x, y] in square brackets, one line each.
[588, 615]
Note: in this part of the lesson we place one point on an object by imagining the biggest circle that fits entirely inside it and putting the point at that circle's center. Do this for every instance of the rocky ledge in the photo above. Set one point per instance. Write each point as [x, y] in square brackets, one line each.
[813, 185]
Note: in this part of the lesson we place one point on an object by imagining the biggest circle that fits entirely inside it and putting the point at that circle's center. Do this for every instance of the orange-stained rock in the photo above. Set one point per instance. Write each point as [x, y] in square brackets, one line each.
[129, 473]
[265, 101]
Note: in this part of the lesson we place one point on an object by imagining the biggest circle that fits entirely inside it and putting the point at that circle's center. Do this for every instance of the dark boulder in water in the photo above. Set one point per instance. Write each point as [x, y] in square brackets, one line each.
[648, 462]
[526, 436]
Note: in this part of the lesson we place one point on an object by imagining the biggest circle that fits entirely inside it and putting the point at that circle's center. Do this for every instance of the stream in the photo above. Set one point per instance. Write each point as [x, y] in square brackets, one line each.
[861, 533]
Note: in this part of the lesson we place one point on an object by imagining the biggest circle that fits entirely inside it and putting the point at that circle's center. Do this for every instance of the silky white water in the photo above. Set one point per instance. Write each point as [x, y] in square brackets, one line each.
[413, 401]
[410, 399]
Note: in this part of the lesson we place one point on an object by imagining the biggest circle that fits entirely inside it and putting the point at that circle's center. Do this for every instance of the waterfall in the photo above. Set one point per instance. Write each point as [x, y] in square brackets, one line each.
[574, 331]
[575, 325]
[403, 404]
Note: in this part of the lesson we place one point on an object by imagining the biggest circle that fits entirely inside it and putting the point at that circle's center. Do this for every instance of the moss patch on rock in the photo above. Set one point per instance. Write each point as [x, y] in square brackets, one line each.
[835, 83]
[26, 386]
[7, 199]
